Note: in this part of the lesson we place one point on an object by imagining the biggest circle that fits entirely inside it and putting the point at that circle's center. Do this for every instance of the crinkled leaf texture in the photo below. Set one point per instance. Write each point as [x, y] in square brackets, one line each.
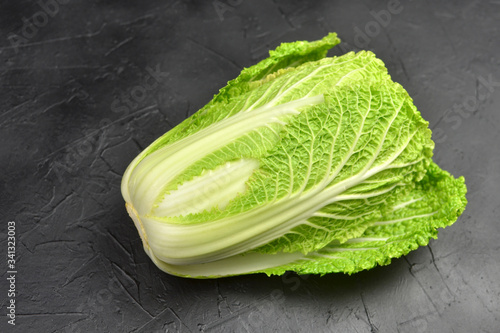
[304, 162]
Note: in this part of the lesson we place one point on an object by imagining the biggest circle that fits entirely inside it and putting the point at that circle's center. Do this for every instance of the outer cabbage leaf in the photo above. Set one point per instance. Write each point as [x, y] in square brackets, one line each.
[411, 221]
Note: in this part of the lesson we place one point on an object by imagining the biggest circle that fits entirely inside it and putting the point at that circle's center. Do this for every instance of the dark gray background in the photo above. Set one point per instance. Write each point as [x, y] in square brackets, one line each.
[78, 103]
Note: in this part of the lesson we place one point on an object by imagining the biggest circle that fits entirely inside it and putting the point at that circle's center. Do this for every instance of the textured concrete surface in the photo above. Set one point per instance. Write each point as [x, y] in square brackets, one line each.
[86, 85]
